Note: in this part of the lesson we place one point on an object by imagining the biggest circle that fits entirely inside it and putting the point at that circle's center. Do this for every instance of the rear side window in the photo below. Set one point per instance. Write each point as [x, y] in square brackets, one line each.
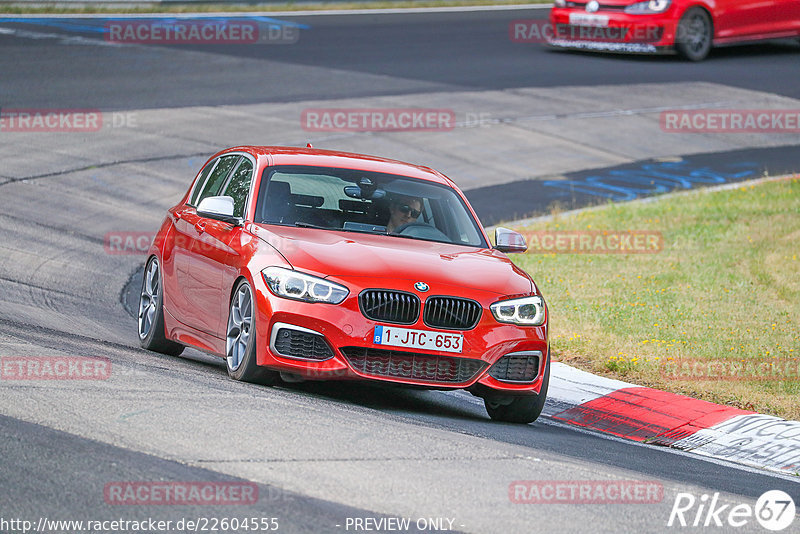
[217, 177]
[239, 186]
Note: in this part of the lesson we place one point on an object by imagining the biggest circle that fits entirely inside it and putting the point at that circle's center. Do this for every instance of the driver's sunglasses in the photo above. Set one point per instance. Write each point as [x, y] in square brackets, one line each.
[405, 208]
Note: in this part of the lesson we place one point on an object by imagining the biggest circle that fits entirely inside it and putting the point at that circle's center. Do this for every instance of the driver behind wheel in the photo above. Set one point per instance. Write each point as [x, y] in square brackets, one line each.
[403, 210]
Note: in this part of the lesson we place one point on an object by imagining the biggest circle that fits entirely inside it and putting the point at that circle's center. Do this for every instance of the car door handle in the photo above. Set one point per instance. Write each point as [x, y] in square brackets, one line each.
[200, 226]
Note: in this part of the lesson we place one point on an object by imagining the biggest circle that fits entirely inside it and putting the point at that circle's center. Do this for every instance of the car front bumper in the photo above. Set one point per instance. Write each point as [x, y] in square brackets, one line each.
[621, 33]
[290, 334]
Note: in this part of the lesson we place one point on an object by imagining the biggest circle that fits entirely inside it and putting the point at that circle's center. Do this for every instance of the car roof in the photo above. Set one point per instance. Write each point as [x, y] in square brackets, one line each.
[280, 155]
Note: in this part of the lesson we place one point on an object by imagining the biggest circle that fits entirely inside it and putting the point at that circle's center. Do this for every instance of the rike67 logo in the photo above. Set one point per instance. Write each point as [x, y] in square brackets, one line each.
[774, 510]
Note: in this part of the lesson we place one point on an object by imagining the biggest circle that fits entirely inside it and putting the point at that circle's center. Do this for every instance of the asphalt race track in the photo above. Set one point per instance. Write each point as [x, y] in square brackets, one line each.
[400, 53]
[321, 455]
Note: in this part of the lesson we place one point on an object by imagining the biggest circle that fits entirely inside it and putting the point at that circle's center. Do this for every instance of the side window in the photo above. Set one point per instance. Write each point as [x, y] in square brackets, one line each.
[201, 181]
[217, 177]
[239, 186]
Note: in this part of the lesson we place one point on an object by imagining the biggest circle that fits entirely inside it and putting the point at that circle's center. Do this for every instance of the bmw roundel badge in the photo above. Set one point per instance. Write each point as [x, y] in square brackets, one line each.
[422, 287]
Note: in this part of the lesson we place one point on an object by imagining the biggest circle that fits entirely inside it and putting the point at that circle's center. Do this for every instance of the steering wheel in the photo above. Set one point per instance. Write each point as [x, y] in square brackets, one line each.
[421, 230]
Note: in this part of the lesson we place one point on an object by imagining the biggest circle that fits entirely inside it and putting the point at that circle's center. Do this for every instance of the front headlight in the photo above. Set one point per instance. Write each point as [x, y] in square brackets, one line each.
[648, 7]
[527, 311]
[295, 285]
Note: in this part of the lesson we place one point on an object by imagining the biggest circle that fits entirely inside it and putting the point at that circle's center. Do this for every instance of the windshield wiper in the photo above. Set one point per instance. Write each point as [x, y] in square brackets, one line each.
[406, 236]
[417, 238]
[363, 231]
[316, 226]
[302, 224]
[377, 230]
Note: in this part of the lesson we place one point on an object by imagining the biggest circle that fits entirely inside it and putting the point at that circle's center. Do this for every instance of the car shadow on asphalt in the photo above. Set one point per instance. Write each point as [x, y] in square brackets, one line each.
[392, 398]
[766, 49]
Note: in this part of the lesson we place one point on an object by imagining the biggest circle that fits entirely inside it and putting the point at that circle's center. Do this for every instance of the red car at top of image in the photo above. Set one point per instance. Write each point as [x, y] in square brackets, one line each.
[691, 27]
[302, 264]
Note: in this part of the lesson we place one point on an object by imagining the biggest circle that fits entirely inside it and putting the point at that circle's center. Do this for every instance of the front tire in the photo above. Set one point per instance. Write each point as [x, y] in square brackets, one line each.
[241, 342]
[151, 312]
[695, 34]
[522, 410]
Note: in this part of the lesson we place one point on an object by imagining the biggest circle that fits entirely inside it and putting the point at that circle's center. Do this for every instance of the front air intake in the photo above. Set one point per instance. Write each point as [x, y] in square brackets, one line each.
[417, 367]
[389, 306]
[451, 313]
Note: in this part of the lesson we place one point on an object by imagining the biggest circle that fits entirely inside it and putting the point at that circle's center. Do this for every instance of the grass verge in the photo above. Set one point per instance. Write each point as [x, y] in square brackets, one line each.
[714, 315]
[143, 7]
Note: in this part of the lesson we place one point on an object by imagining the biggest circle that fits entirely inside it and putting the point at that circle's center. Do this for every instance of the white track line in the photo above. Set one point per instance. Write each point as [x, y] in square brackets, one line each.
[321, 12]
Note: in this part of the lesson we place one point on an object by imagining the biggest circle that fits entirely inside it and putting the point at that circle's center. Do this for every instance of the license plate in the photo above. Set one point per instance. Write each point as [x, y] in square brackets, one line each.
[588, 19]
[417, 339]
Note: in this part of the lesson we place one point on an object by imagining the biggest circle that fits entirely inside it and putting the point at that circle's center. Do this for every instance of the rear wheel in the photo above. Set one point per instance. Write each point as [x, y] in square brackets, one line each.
[151, 312]
[240, 343]
[519, 409]
[695, 34]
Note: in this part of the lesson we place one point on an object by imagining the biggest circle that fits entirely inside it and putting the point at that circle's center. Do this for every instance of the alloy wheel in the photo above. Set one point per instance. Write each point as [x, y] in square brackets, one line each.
[240, 322]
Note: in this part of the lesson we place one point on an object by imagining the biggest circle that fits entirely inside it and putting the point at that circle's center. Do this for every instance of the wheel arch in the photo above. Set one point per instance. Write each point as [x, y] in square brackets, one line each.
[236, 283]
[686, 39]
[708, 7]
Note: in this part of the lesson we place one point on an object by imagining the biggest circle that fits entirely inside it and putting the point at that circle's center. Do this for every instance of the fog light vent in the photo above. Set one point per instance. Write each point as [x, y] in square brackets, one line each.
[517, 367]
[296, 342]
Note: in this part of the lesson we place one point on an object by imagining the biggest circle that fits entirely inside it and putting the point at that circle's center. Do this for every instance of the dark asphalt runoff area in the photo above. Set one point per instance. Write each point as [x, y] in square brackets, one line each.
[527, 198]
[449, 51]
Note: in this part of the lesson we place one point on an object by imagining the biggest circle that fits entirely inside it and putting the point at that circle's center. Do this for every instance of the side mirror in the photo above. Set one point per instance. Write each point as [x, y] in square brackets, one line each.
[509, 241]
[219, 208]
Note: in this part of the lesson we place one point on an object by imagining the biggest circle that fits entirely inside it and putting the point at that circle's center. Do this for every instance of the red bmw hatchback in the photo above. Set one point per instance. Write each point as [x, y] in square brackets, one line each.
[300, 264]
[691, 27]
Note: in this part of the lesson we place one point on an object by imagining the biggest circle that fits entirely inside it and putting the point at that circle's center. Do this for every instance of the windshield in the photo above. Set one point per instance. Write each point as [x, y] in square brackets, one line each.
[360, 201]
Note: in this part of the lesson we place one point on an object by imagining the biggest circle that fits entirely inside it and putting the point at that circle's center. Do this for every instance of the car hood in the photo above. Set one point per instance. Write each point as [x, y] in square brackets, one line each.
[618, 2]
[368, 259]
[613, 3]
